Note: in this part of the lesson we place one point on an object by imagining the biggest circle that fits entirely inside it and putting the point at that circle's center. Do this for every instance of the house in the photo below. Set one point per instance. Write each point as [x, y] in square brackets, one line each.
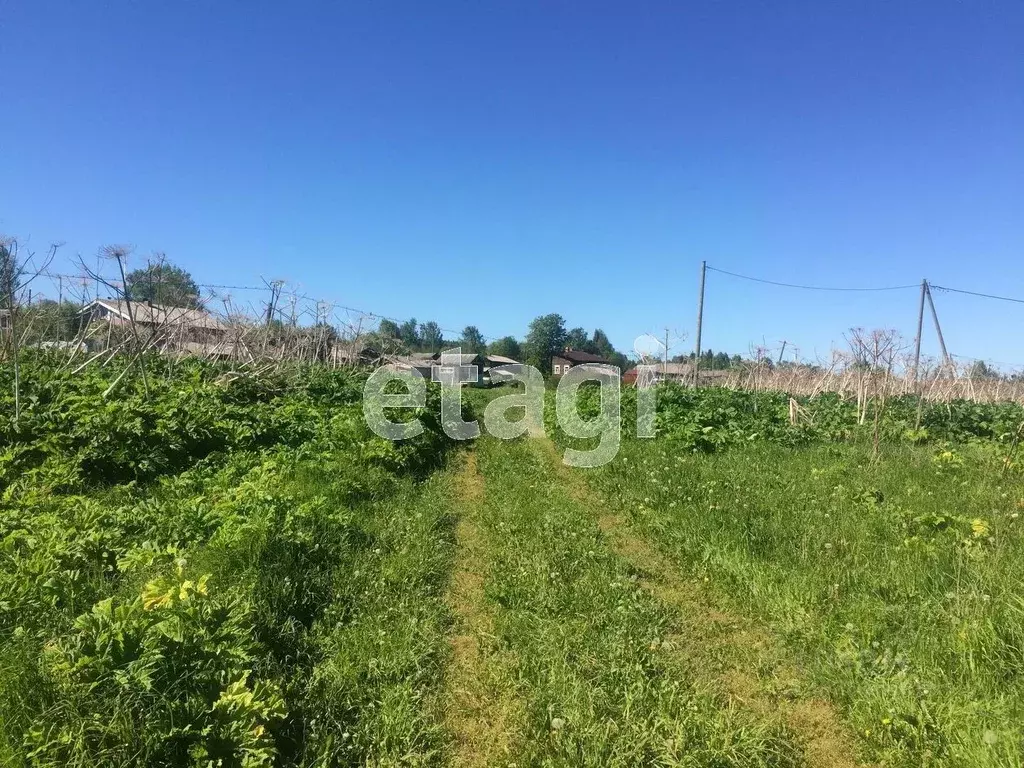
[510, 367]
[428, 365]
[177, 329]
[680, 373]
[570, 358]
[184, 323]
[446, 372]
[406, 363]
[493, 360]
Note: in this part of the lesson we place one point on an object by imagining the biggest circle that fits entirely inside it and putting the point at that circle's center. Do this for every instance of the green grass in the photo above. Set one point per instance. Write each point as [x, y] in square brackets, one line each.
[896, 582]
[239, 574]
[372, 697]
[596, 681]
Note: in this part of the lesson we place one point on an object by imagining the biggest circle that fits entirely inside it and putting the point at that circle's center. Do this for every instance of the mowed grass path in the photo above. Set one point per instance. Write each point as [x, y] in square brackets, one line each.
[727, 652]
[563, 655]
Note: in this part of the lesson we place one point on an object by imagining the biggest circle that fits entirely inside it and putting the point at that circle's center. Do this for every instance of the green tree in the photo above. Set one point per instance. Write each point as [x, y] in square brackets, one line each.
[980, 370]
[388, 329]
[431, 338]
[162, 283]
[409, 334]
[602, 345]
[545, 338]
[473, 341]
[507, 346]
[577, 339]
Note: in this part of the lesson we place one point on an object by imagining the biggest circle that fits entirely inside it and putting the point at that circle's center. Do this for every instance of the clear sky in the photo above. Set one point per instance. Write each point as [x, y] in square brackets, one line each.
[486, 162]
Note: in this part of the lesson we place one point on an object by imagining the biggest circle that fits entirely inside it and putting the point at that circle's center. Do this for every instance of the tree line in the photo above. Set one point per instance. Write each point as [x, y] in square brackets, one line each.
[546, 336]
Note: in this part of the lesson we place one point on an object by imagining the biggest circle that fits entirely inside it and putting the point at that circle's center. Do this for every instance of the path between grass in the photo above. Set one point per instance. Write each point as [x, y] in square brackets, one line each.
[729, 653]
[482, 717]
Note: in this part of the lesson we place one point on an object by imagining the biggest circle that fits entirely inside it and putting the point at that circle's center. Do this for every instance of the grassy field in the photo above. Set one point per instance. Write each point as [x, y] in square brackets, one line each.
[233, 571]
[893, 583]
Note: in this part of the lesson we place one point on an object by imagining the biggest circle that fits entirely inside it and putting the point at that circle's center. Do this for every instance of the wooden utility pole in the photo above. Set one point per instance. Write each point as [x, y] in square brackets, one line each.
[920, 330]
[938, 328]
[700, 323]
[664, 368]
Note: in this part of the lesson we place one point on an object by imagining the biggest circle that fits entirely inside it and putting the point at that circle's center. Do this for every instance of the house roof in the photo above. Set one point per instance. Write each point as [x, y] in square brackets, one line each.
[147, 313]
[406, 361]
[501, 360]
[463, 360]
[576, 356]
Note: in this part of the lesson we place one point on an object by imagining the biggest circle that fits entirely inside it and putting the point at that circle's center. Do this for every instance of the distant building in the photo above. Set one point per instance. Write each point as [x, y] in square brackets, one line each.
[177, 329]
[570, 358]
[681, 373]
[147, 314]
[408, 363]
[501, 369]
[447, 372]
[429, 366]
[5, 320]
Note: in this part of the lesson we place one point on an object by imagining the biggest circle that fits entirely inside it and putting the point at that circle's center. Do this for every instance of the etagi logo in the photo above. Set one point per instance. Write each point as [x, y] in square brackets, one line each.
[451, 373]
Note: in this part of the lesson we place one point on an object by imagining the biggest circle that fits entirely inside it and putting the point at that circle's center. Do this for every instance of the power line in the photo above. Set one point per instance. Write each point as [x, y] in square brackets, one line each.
[811, 287]
[987, 360]
[975, 293]
[234, 287]
[294, 294]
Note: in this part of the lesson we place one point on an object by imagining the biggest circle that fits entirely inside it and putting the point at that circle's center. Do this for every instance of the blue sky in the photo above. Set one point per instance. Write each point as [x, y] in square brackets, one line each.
[488, 162]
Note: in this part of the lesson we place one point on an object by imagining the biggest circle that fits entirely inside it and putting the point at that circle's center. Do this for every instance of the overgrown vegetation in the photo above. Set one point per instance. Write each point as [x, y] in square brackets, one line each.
[891, 576]
[227, 568]
[222, 572]
[714, 418]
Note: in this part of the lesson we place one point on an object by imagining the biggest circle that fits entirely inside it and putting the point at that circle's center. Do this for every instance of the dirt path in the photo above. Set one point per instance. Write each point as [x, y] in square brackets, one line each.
[734, 657]
[480, 715]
